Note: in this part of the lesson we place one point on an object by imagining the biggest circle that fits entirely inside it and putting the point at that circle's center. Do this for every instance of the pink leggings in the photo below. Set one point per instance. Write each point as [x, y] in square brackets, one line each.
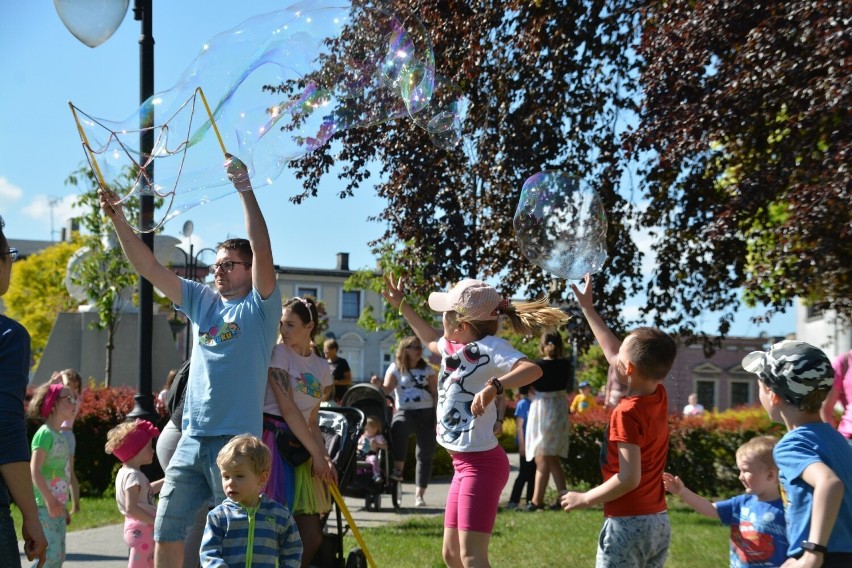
[139, 537]
[475, 491]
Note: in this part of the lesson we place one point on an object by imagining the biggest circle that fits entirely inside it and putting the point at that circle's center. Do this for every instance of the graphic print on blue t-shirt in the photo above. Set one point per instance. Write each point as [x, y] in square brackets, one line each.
[219, 333]
[310, 385]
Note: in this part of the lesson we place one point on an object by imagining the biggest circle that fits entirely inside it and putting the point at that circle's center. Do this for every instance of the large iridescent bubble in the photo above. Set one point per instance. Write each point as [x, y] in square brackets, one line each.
[560, 225]
[279, 85]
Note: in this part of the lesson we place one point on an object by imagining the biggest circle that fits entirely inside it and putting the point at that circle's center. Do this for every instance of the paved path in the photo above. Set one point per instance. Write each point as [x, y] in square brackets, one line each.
[104, 547]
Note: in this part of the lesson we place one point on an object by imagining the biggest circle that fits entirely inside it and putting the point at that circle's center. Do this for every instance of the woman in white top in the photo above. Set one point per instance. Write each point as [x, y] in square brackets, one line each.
[415, 391]
[297, 377]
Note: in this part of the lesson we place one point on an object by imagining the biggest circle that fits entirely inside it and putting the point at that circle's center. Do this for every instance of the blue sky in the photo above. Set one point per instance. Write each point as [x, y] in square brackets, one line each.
[43, 67]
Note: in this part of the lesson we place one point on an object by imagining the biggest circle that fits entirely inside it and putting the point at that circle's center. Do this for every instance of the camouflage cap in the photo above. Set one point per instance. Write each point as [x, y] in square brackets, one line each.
[792, 369]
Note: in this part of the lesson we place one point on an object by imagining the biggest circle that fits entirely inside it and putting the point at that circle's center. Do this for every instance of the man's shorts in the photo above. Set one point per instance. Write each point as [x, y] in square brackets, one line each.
[191, 478]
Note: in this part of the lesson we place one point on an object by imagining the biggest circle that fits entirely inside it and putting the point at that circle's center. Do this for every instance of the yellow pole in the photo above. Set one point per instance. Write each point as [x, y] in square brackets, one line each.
[338, 498]
[212, 121]
[91, 154]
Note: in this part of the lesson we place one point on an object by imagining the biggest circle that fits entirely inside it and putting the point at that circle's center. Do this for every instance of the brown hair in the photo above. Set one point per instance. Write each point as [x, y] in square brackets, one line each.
[551, 345]
[245, 447]
[402, 360]
[652, 351]
[525, 318]
[73, 377]
[242, 246]
[36, 402]
[306, 309]
[759, 447]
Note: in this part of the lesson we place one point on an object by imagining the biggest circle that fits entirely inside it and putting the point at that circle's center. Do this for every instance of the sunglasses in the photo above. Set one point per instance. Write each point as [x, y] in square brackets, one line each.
[12, 252]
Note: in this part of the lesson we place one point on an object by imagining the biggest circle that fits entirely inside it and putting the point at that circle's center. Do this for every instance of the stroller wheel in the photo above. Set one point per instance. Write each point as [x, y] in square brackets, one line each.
[396, 493]
[377, 502]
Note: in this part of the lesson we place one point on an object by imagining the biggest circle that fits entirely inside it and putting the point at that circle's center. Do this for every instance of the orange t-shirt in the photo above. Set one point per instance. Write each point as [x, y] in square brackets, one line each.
[643, 421]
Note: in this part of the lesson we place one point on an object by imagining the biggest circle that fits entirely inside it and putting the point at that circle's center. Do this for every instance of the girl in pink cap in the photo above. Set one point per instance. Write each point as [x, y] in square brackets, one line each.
[476, 366]
[52, 403]
[131, 443]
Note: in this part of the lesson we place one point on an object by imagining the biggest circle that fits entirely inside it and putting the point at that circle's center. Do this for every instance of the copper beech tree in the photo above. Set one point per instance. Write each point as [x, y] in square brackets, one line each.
[718, 130]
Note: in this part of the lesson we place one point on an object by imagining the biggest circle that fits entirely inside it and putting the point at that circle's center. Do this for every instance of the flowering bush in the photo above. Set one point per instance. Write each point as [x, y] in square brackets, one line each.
[101, 409]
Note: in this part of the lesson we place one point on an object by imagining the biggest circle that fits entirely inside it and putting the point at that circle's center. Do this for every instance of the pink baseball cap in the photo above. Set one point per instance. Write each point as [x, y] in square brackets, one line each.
[473, 299]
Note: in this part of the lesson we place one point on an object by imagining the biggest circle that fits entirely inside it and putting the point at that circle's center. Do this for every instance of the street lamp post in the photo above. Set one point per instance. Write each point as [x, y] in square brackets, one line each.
[144, 399]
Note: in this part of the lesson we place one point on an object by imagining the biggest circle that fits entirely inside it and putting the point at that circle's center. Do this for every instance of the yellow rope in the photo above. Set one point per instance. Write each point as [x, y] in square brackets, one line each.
[212, 121]
[335, 492]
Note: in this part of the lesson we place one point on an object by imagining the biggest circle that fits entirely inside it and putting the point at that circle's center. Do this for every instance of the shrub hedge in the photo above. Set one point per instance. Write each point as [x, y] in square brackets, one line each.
[701, 449]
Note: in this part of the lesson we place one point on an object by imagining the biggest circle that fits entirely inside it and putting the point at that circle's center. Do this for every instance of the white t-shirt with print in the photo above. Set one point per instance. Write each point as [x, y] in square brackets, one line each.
[464, 372]
[412, 388]
[128, 477]
[303, 377]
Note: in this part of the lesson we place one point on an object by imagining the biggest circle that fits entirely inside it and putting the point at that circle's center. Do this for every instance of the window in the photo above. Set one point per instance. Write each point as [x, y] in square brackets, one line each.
[303, 291]
[740, 393]
[350, 305]
[706, 391]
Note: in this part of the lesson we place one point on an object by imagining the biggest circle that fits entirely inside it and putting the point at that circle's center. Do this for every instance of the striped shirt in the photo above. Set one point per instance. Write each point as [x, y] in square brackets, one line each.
[265, 536]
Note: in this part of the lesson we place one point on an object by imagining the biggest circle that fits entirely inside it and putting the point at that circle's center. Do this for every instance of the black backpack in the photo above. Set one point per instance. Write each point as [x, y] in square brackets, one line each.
[174, 398]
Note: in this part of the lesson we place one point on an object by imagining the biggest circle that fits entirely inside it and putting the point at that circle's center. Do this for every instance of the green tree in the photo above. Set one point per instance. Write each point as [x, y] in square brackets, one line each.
[37, 292]
[592, 366]
[746, 121]
[551, 85]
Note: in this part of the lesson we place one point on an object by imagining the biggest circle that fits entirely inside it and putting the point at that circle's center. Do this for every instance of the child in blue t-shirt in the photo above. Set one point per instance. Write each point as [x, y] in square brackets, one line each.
[756, 518]
[526, 469]
[814, 460]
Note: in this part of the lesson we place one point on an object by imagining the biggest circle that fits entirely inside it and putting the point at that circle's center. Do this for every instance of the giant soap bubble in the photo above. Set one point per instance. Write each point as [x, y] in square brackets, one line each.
[560, 225]
[279, 86]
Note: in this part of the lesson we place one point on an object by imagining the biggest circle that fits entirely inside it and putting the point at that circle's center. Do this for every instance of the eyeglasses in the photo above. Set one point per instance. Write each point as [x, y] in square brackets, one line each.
[12, 252]
[226, 266]
[71, 398]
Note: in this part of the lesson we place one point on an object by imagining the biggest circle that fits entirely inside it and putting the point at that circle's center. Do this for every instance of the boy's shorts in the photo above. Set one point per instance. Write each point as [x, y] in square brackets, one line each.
[634, 542]
[191, 478]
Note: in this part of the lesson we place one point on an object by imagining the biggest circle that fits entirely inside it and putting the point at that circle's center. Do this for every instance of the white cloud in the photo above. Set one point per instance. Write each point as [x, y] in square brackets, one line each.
[62, 210]
[9, 192]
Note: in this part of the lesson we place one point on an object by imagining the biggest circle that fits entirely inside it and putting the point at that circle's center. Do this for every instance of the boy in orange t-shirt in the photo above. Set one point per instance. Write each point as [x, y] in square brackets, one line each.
[636, 530]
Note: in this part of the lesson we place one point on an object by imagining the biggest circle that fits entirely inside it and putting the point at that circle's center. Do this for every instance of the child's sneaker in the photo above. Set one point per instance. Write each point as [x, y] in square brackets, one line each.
[378, 479]
[419, 502]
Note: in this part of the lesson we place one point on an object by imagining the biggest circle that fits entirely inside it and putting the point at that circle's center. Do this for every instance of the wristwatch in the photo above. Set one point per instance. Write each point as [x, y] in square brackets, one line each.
[495, 382]
[813, 547]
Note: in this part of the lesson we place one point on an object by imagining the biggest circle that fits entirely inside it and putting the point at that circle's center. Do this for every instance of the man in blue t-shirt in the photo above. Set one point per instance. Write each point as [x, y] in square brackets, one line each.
[15, 479]
[235, 327]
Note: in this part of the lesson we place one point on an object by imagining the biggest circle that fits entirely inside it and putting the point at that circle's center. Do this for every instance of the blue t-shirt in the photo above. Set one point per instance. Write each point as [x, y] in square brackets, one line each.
[230, 359]
[14, 376]
[522, 410]
[799, 448]
[758, 531]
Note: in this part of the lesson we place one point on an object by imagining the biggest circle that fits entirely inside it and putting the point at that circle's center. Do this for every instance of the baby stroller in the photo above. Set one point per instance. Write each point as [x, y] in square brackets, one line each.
[341, 428]
[372, 401]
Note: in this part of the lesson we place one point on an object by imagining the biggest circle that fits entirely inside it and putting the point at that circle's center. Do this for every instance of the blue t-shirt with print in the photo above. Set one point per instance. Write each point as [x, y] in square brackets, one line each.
[802, 446]
[758, 531]
[230, 359]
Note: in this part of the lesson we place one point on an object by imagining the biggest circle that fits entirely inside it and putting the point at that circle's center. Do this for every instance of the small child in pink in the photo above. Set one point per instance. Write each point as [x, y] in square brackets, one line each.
[370, 442]
[131, 443]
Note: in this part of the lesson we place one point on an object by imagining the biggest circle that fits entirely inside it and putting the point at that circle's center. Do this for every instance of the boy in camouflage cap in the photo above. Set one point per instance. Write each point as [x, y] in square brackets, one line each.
[814, 460]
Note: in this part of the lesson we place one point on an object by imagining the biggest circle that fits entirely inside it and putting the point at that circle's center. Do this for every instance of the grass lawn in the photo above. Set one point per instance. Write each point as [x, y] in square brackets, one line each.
[94, 512]
[547, 538]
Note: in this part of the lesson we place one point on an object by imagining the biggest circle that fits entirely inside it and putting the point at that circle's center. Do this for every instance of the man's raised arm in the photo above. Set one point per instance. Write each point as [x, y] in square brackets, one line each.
[137, 252]
[262, 268]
